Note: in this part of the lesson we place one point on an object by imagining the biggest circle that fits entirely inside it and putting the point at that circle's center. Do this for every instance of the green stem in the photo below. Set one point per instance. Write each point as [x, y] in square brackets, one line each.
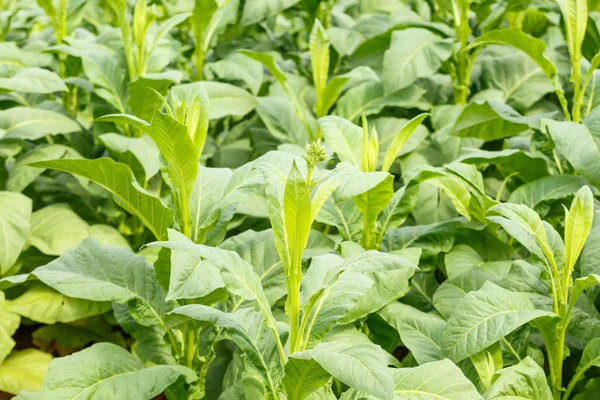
[294, 310]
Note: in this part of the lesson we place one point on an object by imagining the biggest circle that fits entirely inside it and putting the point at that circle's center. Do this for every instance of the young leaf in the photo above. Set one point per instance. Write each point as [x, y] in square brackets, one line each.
[319, 57]
[578, 224]
[400, 140]
[24, 370]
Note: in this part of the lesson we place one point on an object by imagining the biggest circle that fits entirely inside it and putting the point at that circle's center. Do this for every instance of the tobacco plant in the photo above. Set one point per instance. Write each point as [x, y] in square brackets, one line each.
[236, 199]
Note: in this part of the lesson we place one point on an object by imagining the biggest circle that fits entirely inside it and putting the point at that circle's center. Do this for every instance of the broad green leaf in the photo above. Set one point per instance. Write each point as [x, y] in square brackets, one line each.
[344, 138]
[125, 119]
[515, 37]
[105, 370]
[483, 318]
[413, 53]
[334, 303]
[118, 179]
[34, 123]
[576, 143]
[142, 100]
[371, 204]
[260, 9]
[370, 98]
[56, 229]
[15, 213]
[225, 99]
[45, 305]
[525, 166]
[93, 272]
[420, 332]
[282, 120]
[400, 140]
[143, 149]
[398, 209]
[258, 249]
[33, 80]
[434, 381]
[303, 378]
[22, 175]
[24, 370]
[490, 120]
[526, 380]
[538, 194]
[578, 224]
[191, 276]
[236, 67]
[357, 366]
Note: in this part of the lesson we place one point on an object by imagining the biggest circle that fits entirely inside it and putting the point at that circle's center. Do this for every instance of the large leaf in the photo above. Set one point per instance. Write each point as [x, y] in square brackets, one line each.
[106, 370]
[490, 120]
[34, 123]
[439, 380]
[257, 11]
[515, 37]
[93, 272]
[303, 378]
[414, 53]
[118, 179]
[540, 193]
[576, 143]
[420, 332]
[33, 80]
[357, 366]
[15, 212]
[483, 318]
[24, 370]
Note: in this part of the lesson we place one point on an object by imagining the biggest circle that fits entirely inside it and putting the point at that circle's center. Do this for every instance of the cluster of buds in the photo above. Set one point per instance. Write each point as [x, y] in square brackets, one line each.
[315, 153]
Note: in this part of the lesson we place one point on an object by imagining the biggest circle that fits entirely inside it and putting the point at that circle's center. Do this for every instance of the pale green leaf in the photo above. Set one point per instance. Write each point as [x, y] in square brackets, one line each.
[15, 213]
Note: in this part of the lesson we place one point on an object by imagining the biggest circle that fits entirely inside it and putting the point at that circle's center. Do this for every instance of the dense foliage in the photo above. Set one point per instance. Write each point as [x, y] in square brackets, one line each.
[299, 199]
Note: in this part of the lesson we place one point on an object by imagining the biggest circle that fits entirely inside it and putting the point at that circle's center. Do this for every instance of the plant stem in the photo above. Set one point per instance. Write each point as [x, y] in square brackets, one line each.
[294, 310]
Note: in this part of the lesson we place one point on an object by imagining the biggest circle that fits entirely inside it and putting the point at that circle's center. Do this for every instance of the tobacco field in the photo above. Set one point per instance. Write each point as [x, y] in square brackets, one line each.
[299, 199]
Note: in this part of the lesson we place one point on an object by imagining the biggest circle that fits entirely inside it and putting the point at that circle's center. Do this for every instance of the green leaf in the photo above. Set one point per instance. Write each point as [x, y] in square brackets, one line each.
[515, 37]
[56, 229]
[15, 213]
[125, 119]
[108, 370]
[303, 378]
[344, 137]
[371, 204]
[526, 380]
[143, 149]
[487, 362]
[414, 53]
[93, 272]
[483, 318]
[24, 370]
[525, 166]
[590, 358]
[297, 217]
[489, 121]
[420, 332]
[575, 14]
[118, 179]
[578, 224]
[261, 9]
[575, 143]
[370, 98]
[45, 305]
[22, 175]
[142, 100]
[400, 140]
[225, 99]
[357, 366]
[434, 381]
[33, 80]
[525, 225]
[319, 56]
[539, 194]
[34, 123]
